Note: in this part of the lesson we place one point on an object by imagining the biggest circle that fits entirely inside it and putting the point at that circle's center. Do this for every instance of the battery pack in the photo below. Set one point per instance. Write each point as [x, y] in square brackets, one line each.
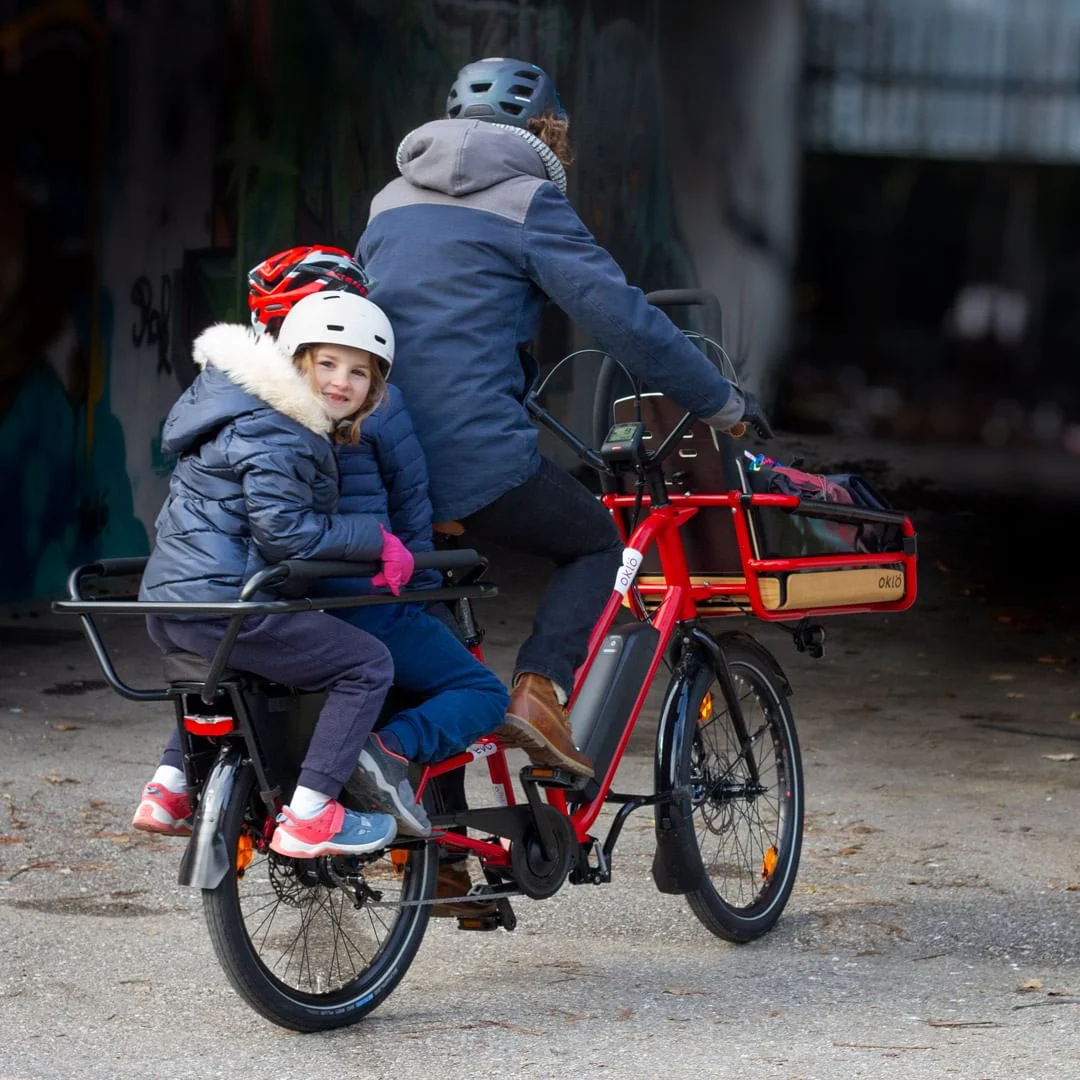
[603, 704]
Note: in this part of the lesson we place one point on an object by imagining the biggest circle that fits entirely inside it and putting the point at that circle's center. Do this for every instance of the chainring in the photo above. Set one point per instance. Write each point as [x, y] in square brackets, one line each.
[536, 874]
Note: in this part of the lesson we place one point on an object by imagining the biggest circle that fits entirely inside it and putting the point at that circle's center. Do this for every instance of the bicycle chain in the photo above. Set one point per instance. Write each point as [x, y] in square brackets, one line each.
[479, 898]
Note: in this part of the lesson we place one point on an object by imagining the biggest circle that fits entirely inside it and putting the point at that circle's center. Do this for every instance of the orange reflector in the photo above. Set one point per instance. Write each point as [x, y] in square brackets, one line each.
[245, 852]
[768, 863]
[705, 712]
[209, 725]
[399, 857]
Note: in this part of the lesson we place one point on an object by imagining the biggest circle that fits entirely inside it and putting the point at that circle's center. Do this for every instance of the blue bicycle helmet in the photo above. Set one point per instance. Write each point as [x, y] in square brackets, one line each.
[503, 91]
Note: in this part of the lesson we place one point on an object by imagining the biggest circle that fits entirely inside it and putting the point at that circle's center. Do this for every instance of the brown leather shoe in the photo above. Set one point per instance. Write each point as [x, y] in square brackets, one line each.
[454, 881]
[537, 724]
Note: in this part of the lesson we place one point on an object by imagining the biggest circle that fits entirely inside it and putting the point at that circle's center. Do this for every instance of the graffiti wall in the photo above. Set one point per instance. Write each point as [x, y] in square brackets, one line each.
[196, 139]
[64, 483]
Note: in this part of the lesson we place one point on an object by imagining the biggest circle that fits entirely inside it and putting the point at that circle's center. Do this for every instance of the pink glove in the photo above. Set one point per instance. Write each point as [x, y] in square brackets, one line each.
[397, 564]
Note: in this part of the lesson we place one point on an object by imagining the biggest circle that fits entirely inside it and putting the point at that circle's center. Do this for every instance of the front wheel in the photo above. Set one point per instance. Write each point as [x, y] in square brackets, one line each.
[743, 801]
[314, 944]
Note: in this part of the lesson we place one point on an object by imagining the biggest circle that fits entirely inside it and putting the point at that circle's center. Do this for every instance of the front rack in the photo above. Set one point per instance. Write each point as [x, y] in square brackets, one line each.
[779, 589]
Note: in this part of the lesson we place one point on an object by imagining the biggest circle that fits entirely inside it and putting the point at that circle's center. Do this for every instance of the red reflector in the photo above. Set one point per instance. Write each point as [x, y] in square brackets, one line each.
[209, 725]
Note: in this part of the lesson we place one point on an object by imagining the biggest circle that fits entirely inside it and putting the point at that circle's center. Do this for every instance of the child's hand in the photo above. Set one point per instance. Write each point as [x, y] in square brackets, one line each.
[397, 563]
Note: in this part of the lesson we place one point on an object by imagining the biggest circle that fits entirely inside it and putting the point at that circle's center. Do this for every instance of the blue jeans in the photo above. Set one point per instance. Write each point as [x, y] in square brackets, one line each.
[458, 698]
[557, 517]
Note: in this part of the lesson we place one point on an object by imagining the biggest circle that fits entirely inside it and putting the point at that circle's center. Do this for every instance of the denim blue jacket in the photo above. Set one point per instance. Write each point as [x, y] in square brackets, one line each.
[466, 246]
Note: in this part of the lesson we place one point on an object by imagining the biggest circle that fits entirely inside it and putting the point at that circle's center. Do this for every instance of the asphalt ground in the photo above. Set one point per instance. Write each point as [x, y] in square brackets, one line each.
[932, 932]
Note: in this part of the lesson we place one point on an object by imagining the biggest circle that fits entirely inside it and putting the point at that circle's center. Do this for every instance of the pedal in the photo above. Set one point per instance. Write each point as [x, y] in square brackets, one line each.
[503, 916]
[549, 776]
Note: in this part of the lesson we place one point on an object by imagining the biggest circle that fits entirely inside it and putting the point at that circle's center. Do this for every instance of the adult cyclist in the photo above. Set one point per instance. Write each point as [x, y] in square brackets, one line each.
[465, 248]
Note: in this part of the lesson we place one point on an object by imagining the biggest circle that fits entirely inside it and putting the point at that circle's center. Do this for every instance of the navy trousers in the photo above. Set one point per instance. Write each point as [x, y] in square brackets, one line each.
[458, 698]
[310, 650]
[555, 516]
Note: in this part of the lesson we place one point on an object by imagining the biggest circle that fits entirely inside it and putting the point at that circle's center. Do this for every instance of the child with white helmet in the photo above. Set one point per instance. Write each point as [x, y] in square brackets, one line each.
[344, 344]
[255, 483]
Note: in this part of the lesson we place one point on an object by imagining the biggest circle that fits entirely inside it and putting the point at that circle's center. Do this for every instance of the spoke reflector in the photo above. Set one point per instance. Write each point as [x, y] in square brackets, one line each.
[245, 852]
[705, 712]
[768, 863]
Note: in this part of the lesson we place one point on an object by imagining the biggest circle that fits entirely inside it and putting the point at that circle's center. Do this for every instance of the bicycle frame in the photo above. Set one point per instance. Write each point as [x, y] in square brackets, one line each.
[679, 600]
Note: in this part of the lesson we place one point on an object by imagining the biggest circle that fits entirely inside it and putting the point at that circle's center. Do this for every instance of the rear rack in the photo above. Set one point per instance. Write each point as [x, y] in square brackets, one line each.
[238, 610]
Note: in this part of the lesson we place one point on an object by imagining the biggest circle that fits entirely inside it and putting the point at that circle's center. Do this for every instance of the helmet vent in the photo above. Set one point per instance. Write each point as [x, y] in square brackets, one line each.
[523, 91]
[511, 107]
[379, 339]
[526, 75]
[480, 87]
[339, 327]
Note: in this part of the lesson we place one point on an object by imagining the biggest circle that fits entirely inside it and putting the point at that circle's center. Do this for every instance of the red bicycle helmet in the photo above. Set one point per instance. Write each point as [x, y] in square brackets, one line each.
[278, 282]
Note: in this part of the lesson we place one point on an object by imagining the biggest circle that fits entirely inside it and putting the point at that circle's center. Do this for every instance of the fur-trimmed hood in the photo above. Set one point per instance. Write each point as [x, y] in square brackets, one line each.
[241, 374]
[261, 368]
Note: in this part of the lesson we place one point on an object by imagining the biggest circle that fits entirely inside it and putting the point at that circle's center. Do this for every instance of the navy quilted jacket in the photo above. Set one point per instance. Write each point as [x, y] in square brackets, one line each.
[385, 475]
[256, 481]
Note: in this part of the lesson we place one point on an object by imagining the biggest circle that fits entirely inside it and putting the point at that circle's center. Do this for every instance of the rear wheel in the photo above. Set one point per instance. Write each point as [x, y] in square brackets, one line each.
[313, 944]
[745, 803]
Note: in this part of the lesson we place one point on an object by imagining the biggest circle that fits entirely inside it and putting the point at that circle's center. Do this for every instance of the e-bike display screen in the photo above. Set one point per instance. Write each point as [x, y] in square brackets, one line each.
[623, 442]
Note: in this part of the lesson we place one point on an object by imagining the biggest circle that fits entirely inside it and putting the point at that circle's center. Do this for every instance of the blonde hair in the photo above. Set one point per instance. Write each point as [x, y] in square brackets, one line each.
[552, 130]
[347, 432]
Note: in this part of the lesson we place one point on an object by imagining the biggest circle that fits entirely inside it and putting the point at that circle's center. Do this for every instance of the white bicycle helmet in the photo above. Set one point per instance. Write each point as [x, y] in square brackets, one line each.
[338, 318]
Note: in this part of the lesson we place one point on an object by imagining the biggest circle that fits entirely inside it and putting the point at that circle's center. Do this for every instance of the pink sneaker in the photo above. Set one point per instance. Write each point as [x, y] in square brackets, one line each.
[163, 811]
[335, 831]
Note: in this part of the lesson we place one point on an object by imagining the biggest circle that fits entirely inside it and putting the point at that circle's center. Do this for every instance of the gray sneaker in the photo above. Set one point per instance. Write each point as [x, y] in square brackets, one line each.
[382, 780]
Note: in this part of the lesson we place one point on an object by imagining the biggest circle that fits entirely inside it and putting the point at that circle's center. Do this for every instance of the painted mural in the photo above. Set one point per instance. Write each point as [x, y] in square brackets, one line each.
[63, 485]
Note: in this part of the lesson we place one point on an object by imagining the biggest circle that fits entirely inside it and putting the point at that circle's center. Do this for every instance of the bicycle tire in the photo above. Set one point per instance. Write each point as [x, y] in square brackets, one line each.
[745, 836]
[297, 966]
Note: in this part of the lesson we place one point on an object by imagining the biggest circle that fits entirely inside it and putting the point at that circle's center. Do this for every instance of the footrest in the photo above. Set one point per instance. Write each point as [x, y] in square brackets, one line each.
[549, 776]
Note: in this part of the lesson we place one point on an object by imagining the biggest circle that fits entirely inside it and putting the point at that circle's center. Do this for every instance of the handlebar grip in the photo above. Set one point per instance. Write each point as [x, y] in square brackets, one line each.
[675, 297]
[454, 559]
[101, 569]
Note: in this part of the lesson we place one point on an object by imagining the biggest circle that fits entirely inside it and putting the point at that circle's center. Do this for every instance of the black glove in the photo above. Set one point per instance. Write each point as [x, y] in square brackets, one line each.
[754, 416]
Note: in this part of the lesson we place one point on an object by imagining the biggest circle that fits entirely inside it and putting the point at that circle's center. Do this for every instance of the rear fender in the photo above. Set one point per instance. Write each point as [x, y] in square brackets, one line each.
[207, 859]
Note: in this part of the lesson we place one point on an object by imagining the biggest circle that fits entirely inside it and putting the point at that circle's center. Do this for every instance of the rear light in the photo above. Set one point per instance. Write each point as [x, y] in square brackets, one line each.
[209, 725]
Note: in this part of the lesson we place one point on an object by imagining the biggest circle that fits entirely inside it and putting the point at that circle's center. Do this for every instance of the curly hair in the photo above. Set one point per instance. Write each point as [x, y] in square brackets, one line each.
[552, 130]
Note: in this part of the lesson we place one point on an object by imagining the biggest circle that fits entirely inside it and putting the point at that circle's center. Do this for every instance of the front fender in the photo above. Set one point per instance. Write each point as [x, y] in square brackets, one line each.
[671, 870]
[207, 858]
